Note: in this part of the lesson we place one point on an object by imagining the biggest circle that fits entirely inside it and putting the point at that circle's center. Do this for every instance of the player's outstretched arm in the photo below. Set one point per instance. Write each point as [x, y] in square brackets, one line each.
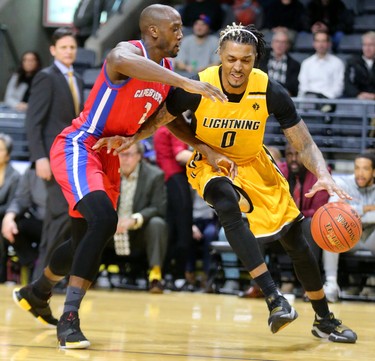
[312, 158]
[125, 61]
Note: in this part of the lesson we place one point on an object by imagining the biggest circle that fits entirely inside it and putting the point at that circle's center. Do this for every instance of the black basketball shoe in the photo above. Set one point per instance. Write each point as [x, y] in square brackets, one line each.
[39, 307]
[69, 333]
[281, 312]
[333, 329]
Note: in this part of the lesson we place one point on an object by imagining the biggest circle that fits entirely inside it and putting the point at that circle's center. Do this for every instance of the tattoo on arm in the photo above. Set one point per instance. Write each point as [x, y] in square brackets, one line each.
[300, 139]
[159, 118]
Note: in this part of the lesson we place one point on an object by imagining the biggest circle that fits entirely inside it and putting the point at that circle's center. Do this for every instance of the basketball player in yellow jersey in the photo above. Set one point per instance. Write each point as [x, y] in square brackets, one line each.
[236, 129]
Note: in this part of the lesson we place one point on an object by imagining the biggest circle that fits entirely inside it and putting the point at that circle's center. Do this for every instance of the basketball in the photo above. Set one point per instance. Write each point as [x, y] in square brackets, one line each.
[336, 227]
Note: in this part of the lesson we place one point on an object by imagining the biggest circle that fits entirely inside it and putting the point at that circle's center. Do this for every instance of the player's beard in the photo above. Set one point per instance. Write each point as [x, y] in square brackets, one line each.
[235, 86]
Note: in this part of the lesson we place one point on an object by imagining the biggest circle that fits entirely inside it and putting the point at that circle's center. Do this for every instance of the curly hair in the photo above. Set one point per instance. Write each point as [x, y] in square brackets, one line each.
[241, 34]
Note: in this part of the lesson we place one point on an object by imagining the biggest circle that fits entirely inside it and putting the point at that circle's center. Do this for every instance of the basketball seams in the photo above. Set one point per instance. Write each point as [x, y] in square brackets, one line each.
[320, 229]
[325, 211]
[334, 224]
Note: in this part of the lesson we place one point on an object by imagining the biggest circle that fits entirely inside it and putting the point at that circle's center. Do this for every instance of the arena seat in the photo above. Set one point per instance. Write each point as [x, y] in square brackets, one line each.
[85, 59]
[13, 124]
[363, 23]
[350, 43]
[303, 43]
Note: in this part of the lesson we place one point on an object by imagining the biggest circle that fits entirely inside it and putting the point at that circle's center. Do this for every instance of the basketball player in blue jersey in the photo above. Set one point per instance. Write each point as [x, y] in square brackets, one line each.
[134, 82]
[236, 129]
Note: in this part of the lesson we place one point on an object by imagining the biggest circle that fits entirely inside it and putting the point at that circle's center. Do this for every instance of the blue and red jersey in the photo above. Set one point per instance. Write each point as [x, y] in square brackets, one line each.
[111, 109]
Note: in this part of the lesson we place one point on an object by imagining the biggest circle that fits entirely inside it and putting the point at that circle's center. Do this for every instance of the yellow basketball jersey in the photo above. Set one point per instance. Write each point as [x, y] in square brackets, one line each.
[234, 129]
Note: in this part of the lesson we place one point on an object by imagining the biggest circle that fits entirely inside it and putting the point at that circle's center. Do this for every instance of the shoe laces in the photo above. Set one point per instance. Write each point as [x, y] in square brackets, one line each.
[330, 319]
[335, 321]
[276, 300]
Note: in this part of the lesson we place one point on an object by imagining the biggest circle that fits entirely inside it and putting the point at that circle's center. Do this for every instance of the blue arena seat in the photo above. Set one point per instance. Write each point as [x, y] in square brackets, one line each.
[89, 76]
[86, 59]
[350, 43]
[303, 43]
[363, 23]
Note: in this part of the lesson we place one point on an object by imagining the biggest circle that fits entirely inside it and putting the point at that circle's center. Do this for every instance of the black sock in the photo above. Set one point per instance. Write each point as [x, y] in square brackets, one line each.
[74, 296]
[42, 287]
[266, 283]
[320, 307]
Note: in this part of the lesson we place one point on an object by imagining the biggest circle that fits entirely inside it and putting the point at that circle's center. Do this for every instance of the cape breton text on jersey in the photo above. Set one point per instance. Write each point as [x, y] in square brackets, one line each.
[149, 93]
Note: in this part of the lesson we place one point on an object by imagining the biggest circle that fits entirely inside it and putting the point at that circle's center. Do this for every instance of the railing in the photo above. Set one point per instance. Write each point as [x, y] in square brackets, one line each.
[13, 124]
[346, 130]
[340, 134]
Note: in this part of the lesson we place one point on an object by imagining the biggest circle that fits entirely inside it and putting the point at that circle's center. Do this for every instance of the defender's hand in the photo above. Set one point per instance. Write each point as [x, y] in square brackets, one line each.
[115, 143]
[205, 89]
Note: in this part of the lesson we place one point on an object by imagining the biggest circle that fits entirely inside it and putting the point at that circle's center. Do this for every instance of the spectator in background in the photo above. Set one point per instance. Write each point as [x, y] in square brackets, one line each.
[205, 231]
[331, 16]
[52, 106]
[360, 71]
[18, 88]
[191, 11]
[141, 213]
[361, 187]
[287, 15]
[322, 74]
[248, 12]
[23, 220]
[300, 182]
[279, 65]
[171, 156]
[198, 50]
[9, 178]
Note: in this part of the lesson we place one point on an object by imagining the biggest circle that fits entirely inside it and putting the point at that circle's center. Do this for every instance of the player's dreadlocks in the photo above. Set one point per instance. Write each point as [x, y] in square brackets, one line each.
[244, 35]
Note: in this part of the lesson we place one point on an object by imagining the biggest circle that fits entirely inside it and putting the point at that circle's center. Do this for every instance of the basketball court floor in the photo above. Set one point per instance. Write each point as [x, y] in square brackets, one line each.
[177, 326]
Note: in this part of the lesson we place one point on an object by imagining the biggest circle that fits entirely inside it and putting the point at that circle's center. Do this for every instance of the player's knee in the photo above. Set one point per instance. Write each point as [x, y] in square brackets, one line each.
[104, 224]
[222, 196]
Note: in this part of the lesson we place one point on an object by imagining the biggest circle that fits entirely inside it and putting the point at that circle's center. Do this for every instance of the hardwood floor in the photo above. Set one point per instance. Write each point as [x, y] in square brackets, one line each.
[130, 325]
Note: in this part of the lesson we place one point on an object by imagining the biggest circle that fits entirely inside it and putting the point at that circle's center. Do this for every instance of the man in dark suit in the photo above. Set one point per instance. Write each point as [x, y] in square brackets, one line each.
[360, 71]
[279, 65]
[141, 213]
[56, 98]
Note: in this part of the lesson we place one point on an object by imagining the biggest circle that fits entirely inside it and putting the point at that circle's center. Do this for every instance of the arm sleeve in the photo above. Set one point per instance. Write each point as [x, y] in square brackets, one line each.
[281, 105]
[180, 100]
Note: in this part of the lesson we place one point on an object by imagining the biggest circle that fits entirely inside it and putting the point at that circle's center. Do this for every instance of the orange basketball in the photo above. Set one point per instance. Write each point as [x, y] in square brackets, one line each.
[336, 227]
